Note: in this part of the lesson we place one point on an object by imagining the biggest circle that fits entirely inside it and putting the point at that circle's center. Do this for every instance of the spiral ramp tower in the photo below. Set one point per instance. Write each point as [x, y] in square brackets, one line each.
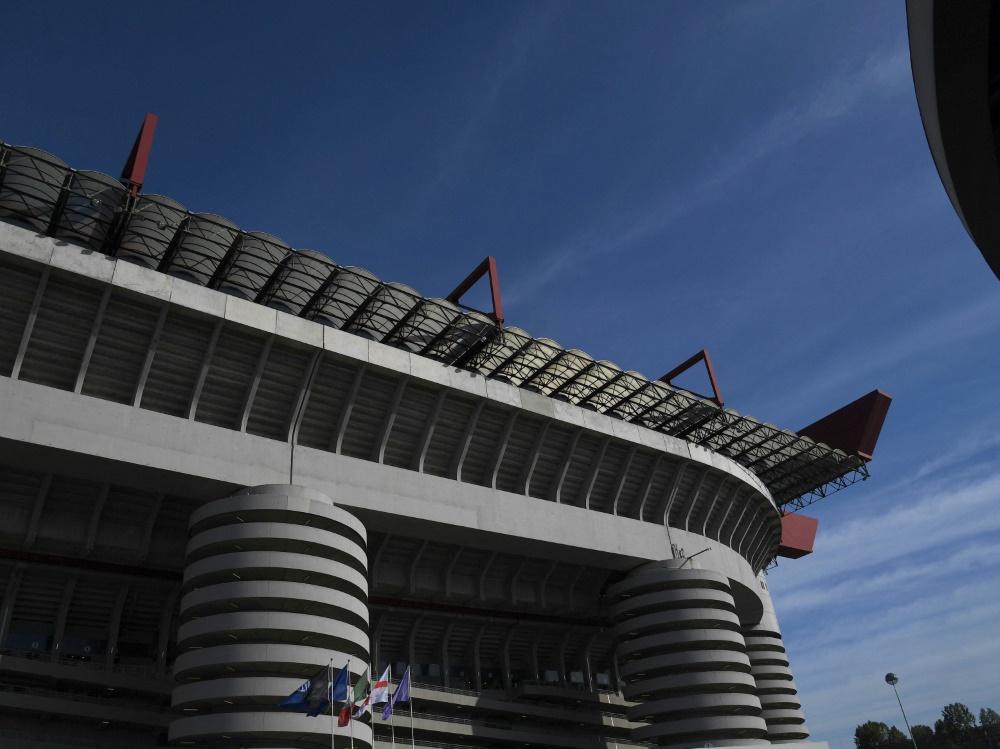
[683, 658]
[782, 710]
[275, 585]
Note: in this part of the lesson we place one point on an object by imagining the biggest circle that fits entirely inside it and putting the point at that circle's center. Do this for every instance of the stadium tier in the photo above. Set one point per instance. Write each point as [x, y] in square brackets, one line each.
[226, 465]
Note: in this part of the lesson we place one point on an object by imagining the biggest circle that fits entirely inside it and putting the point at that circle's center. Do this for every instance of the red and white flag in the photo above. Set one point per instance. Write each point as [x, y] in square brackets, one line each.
[363, 707]
[380, 690]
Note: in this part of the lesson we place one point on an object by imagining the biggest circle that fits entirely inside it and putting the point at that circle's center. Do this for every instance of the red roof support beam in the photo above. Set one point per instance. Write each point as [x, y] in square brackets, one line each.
[488, 266]
[798, 533]
[135, 168]
[700, 356]
[855, 427]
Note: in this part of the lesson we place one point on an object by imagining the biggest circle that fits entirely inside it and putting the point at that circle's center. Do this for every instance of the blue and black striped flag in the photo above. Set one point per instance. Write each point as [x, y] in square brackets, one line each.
[314, 696]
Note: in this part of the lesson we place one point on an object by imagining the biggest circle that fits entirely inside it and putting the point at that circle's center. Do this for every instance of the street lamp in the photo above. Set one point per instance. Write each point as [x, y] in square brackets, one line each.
[891, 679]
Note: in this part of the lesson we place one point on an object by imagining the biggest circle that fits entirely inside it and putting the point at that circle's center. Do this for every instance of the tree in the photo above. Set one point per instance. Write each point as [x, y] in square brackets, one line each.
[871, 735]
[989, 720]
[957, 717]
[896, 739]
[923, 736]
[956, 729]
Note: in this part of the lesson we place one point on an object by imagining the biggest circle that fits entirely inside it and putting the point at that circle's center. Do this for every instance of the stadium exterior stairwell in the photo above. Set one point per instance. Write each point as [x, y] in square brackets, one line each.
[683, 658]
[779, 699]
[275, 586]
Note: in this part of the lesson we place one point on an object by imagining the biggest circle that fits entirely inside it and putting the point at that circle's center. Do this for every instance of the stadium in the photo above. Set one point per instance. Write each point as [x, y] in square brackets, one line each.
[226, 463]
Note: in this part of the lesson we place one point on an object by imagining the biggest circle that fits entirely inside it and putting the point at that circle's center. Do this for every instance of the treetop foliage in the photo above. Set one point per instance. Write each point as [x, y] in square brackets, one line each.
[956, 729]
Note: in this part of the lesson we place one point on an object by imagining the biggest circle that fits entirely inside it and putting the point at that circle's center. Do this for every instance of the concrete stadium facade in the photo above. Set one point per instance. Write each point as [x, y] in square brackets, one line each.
[205, 498]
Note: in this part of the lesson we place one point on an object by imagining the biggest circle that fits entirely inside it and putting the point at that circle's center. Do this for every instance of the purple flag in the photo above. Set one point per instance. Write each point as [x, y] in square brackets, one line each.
[402, 694]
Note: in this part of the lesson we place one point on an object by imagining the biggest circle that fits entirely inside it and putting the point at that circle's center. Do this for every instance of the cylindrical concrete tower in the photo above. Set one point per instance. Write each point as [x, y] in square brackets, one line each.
[683, 658]
[275, 586]
[782, 710]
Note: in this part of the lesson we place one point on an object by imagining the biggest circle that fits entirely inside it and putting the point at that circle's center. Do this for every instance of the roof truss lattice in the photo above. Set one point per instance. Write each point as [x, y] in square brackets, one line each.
[42, 192]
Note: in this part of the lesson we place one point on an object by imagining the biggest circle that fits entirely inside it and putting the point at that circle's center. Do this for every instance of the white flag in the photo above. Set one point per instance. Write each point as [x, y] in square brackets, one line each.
[380, 689]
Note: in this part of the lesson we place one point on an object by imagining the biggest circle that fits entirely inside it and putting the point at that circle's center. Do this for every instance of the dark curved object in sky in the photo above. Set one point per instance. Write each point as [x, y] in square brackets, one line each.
[955, 59]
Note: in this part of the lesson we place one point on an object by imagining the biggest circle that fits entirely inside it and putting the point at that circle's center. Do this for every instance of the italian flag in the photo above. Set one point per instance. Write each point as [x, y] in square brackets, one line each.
[364, 707]
[360, 693]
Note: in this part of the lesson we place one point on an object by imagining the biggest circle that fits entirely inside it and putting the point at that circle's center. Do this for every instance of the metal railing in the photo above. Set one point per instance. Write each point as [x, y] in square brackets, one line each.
[386, 741]
[510, 725]
[121, 668]
[504, 695]
[75, 697]
[69, 742]
[433, 686]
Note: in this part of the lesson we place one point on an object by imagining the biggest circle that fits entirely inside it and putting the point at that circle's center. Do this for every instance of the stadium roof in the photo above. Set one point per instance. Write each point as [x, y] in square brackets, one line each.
[39, 190]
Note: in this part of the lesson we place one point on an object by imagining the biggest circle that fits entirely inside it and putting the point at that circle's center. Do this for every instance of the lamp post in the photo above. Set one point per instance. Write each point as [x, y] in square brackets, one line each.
[891, 679]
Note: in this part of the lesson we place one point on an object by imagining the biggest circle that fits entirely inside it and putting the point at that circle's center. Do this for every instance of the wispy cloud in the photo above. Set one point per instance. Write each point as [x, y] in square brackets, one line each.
[970, 445]
[915, 576]
[839, 96]
[917, 339]
[937, 643]
[883, 74]
[911, 588]
[916, 522]
[513, 53]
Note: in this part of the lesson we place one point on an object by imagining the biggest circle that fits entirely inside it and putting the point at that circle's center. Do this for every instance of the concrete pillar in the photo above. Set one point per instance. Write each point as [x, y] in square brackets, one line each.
[7, 609]
[60, 630]
[683, 658]
[275, 585]
[779, 699]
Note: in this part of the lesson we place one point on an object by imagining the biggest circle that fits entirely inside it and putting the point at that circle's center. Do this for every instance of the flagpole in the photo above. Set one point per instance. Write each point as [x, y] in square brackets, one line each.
[392, 730]
[350, 702]
[410, 682]
[329, 696]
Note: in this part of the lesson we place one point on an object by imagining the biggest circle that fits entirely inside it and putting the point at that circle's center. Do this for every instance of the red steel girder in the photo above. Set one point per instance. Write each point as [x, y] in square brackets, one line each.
[488, 266]
[135, 168]
[700, 356]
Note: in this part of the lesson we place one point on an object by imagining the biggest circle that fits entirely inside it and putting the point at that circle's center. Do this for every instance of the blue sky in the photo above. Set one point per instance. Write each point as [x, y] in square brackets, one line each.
[654, 178]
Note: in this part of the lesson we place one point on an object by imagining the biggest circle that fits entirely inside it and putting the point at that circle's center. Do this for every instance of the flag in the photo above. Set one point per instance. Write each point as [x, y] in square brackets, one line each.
[360, 691]
[380, 690]
[313, 697]
[345, 716]
[338, 690]
[364, 707]
[312, 693]
[402, 695]
[361, 688]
